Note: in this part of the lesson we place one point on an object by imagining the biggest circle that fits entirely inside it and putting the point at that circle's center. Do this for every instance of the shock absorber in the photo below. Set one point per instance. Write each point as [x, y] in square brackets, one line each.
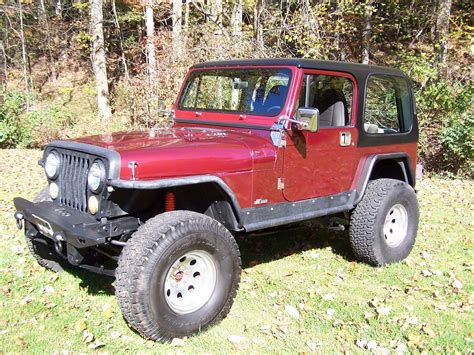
[170, 202]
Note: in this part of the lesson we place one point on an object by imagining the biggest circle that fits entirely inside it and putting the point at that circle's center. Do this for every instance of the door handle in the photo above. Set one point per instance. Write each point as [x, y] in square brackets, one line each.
[345, 139]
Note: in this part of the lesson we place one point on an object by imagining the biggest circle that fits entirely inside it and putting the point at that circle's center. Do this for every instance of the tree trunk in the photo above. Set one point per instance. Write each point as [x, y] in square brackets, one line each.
[257, 23]
[236, 19]
[23, 54]
[45, 22]
[367, 32]
[216, 12]
[186, 16]
[99, 60]
[441, 36]
[150, 41]
[122, 52]
[59, 9]
[177, 17]
[5, 68]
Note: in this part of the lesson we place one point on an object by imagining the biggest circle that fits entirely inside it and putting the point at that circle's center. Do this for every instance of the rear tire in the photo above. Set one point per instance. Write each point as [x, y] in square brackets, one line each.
[177, 275]
[384, 224]
[41, 247]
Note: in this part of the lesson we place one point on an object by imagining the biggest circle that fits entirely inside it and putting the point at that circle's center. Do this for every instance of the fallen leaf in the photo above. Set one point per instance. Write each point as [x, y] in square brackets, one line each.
[21, 342]
[426, 273]
[428, 330]
[415, 340]
[313, 345]
[80, 325]
[361, 343]
[177, 342]
[107, 310]
[87, 336]
[383, 310]
[96, 345]
[292, 311]
[328, 297]
[371, 345]
[457, 284]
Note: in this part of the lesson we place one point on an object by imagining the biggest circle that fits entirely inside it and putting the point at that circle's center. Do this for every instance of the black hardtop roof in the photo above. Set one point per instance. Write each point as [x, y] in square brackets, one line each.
[353, 68]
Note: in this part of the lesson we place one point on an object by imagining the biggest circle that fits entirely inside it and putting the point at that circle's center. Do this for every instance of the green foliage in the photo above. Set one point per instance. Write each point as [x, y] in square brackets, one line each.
[83, 39]
[41, 126]
[457, 136]
[12, 105]
[19, 128]
[445, 115]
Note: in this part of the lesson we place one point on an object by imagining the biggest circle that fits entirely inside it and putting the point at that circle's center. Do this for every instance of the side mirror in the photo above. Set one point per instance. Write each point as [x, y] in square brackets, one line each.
[308, 117]
[162, 110]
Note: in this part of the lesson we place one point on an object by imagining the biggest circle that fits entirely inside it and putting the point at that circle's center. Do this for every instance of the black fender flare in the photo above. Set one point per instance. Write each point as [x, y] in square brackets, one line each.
[401, 158]
[183, 181]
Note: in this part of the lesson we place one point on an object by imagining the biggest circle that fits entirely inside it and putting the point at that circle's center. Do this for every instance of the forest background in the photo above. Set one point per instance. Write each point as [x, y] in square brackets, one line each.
[74, 67]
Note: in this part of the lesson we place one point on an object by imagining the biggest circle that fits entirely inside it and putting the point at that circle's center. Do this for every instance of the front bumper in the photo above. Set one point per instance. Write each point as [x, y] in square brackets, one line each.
[62, 223]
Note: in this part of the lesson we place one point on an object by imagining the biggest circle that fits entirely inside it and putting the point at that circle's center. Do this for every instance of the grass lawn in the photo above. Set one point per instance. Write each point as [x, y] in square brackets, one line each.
[301, 290]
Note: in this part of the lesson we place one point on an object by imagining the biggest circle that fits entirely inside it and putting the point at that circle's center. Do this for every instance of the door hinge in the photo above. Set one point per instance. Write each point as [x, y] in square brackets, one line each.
[280, 184]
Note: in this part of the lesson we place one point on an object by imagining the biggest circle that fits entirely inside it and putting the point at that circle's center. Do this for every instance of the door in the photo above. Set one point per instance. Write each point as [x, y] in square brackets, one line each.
[323, 163]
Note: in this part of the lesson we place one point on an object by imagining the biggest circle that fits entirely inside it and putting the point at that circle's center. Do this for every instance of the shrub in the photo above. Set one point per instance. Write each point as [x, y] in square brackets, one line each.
[12, 105]
[19, 128]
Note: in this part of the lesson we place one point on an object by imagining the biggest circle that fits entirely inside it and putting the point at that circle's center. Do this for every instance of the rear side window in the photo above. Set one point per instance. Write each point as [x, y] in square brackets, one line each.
[387, 105]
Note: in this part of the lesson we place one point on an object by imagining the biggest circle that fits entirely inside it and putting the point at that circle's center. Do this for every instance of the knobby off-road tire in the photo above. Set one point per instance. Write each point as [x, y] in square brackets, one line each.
[177, 275]
[384, 224]
[42, 247]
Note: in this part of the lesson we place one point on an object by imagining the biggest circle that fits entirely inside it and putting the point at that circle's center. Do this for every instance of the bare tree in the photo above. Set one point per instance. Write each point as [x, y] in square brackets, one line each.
[177, 16]
[23, 53]
[258, 23]
[367, 32]
[150, 41]
[45, 23]
[441, 35]
[99, 60]
[236, 19]
[120, 37]
[59, 9]
[186, 16]
[5, 68]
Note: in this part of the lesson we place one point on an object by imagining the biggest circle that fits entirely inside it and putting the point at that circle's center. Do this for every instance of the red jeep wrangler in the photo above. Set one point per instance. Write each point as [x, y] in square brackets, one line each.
[254, 144]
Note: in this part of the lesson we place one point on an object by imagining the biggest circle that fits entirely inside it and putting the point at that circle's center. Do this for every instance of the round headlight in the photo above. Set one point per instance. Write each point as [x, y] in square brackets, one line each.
[51, 165]
[96, 177]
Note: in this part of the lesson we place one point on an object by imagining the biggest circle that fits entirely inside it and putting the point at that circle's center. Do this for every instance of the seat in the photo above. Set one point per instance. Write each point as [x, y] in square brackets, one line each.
[333, 116]
[332, 106]
[274, 101]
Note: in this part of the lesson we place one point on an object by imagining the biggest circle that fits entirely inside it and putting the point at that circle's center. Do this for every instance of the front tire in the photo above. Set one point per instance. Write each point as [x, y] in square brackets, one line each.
[384, 224]
[177, 275]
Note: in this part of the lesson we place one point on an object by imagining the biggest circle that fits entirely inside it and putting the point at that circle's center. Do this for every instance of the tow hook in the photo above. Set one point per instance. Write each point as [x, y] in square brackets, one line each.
[19, 220]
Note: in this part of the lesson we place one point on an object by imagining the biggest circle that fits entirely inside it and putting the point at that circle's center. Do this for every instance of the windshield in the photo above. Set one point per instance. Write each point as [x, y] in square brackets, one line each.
[258, 91]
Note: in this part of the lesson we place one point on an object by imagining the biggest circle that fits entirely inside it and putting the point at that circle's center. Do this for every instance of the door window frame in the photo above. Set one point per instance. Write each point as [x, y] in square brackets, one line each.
[355, 93]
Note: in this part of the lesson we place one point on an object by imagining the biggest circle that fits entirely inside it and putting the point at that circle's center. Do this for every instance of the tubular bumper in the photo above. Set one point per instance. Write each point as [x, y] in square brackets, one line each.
[62, 223]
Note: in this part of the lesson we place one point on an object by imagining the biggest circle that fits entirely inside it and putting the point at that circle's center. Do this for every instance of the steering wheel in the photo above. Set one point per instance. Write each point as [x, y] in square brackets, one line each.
[272, 108]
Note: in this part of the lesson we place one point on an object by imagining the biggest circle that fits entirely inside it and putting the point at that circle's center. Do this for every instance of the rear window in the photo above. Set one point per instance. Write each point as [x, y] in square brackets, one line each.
[387, 105]
[256, 91]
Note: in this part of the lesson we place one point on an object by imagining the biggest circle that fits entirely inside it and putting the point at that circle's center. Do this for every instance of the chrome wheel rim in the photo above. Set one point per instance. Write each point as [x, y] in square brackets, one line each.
[396, 225]
[190, 282]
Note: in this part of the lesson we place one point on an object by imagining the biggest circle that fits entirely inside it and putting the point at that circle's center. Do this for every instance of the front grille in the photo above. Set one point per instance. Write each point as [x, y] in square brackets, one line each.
[73, 180]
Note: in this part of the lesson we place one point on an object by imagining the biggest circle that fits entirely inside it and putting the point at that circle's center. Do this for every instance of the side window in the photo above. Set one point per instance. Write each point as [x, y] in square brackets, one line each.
[331, 95]
[387, 105]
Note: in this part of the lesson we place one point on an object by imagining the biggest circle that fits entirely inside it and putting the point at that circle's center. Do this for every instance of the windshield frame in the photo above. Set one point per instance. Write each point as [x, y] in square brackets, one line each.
[228, 113]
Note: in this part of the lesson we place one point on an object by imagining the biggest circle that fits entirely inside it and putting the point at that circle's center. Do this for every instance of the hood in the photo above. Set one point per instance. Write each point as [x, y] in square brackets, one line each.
[186, 151]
